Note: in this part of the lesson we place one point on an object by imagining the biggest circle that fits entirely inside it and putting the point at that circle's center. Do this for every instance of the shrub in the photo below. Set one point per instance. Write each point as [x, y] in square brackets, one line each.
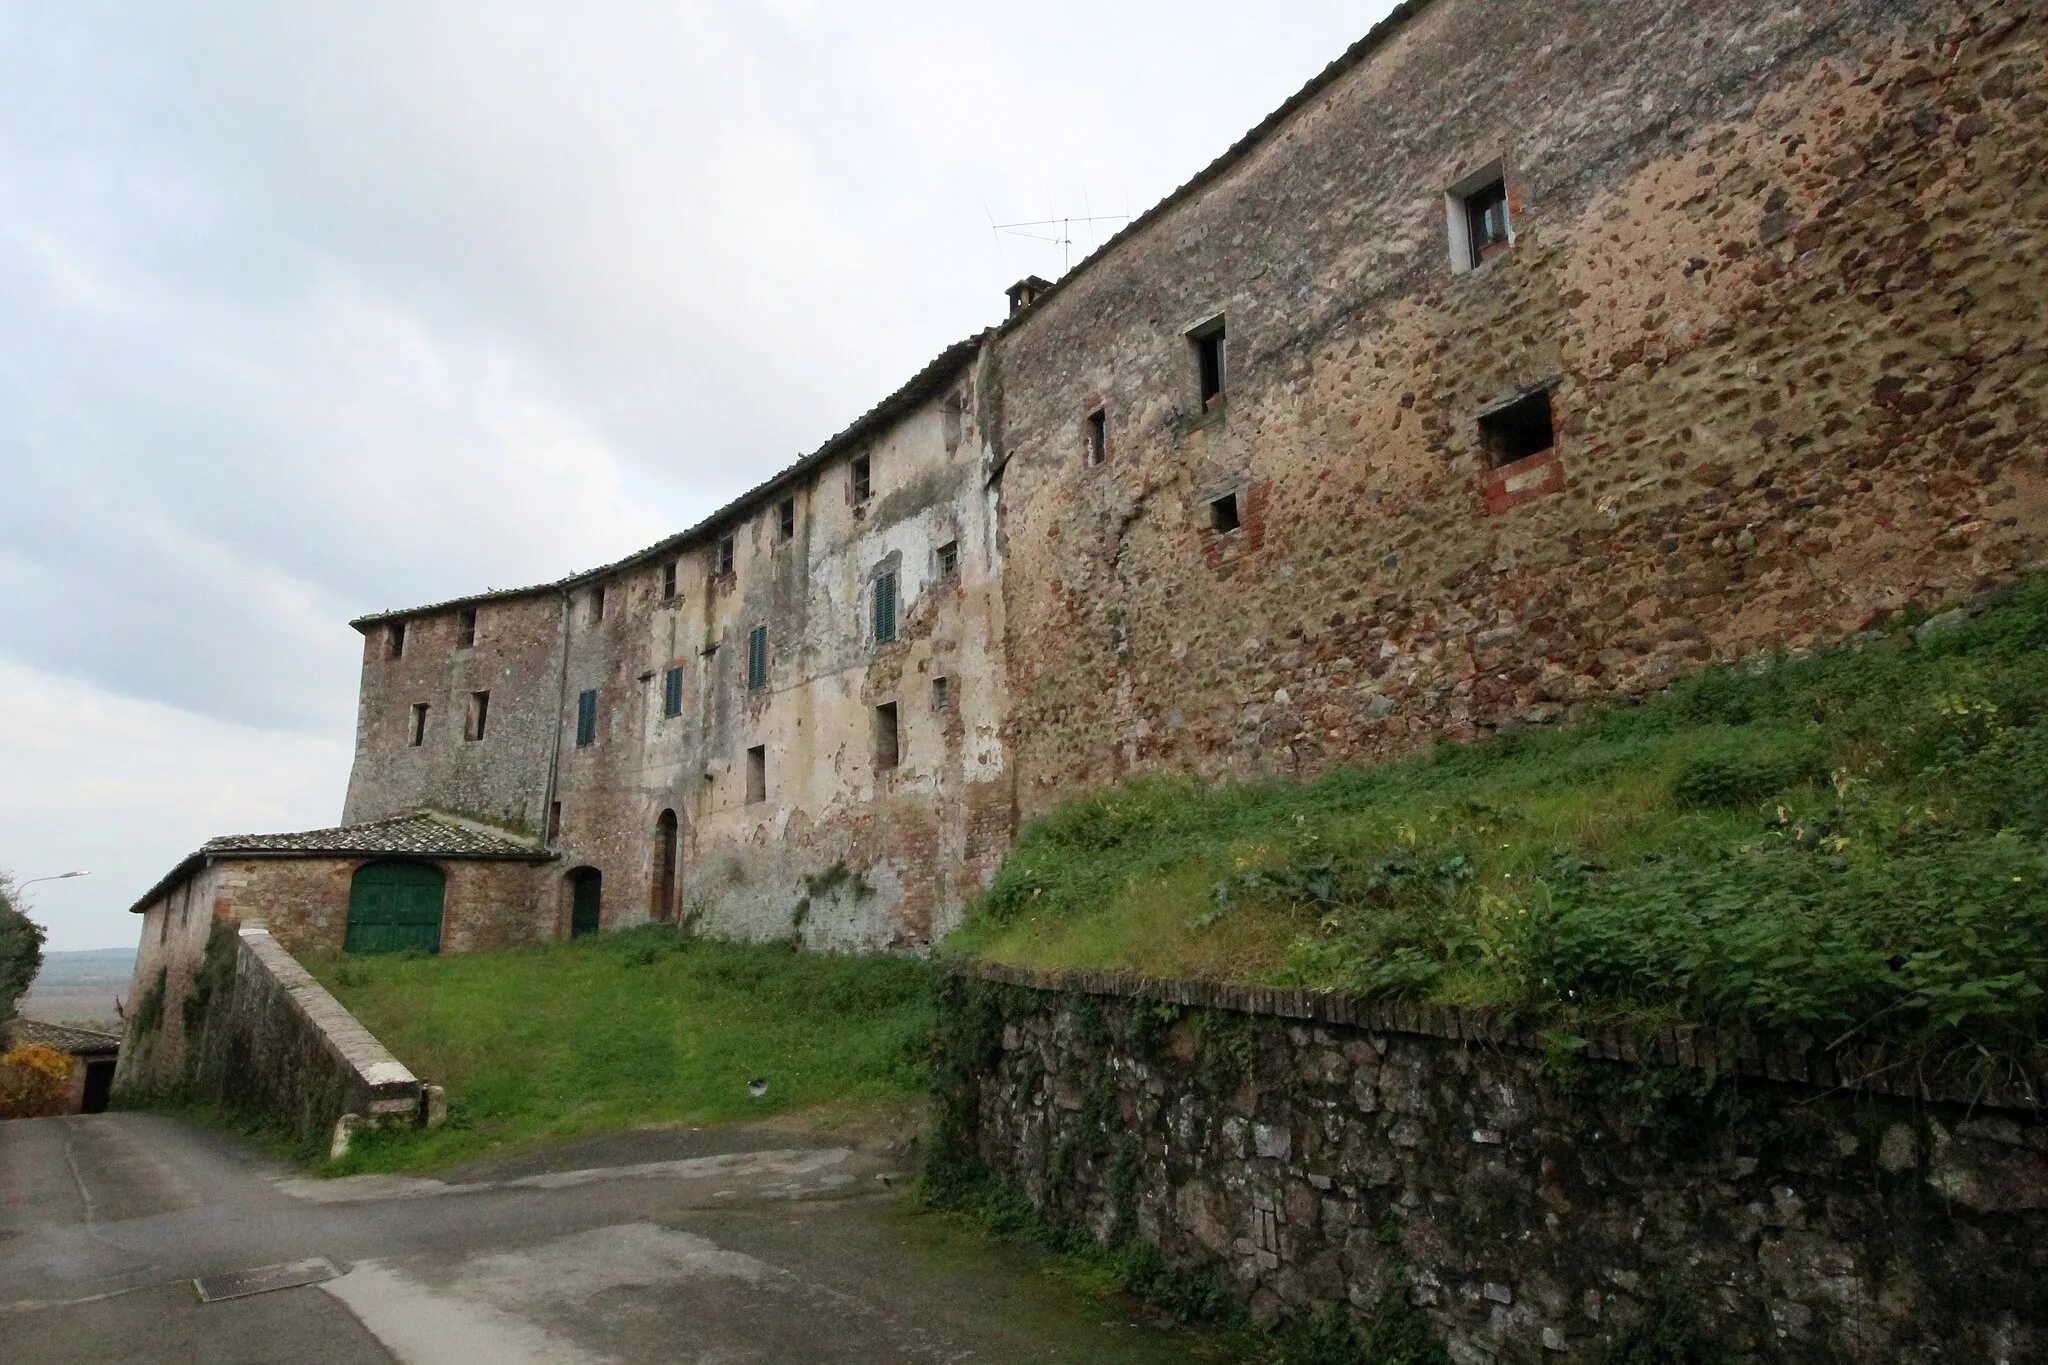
[34, 1081]
[21, 951]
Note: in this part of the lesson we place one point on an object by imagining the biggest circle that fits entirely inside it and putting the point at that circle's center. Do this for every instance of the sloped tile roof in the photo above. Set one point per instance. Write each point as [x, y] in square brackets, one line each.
[61, 1037]
[420, 834]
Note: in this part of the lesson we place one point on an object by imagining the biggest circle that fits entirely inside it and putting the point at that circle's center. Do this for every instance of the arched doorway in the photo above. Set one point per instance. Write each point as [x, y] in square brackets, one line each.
[395, 908]
[586, 901]
[667, 844]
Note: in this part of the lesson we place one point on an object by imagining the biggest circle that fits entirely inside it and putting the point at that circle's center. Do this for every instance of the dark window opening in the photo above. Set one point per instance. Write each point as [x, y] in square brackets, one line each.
[586, 902]
[949, 559]
[757, 658]
[885, 609]
[597, 604]
[1486, 219]
[785, 519]
[554, 820]
[667, 845]
[418, 735]
[1223, 513]
[394, 640]
[586, 718]
[668, 581]
[888, 736]
[1519, 430]
[1212, 363]
[863, 482]
[757, 774]
[725, 556]
[672, 692]
[479, 716]
[942, 694]
[465, 628]
[1098, 437]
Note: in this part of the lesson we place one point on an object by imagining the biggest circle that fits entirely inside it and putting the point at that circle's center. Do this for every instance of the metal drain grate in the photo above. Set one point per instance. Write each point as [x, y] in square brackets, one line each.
[239, 1284]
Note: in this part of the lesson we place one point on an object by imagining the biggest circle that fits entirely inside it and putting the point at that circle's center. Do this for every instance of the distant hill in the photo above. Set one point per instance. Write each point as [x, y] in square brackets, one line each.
[80, 988]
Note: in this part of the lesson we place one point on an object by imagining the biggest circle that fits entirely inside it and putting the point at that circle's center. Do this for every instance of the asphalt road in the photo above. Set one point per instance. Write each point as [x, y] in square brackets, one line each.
[725, 1246]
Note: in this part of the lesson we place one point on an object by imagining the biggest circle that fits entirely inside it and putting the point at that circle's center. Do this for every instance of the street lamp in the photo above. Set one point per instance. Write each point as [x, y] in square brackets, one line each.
[57, 878]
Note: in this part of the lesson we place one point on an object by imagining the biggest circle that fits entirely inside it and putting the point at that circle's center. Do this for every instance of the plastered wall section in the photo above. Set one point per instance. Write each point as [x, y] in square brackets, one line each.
[1780, 269]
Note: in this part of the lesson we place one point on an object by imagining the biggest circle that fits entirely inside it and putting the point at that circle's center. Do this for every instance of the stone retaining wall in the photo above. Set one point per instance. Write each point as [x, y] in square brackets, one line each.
[1316, 1150]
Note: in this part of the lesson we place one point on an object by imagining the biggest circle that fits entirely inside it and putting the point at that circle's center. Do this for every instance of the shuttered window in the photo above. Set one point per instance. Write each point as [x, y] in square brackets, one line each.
[885, 609]
[757, 659]
[672, 692]
[586, 719]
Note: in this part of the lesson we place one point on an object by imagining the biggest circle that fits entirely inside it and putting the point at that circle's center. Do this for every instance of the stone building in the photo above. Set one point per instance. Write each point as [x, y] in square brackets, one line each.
[1528, 355]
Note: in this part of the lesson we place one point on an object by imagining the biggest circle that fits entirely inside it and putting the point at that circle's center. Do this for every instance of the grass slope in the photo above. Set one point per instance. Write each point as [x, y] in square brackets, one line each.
[644, 1027]
[1850, 842]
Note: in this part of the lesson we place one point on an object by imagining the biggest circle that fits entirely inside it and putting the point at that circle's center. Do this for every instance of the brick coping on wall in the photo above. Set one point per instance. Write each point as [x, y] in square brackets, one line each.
[1789, 1059]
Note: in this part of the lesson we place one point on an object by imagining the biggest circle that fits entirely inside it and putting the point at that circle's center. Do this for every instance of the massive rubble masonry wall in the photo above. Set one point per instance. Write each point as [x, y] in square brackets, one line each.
[1776, 270]
[1780, 266]
[1535, 1211]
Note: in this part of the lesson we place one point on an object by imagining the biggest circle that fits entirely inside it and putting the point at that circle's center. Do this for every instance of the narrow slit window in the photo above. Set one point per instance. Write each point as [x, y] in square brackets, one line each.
[479, 716]
[554, 820]
[586, 718]
[863, 480]
[885, 609]
[757, 774]
[465, 628]
[949, 559]
[757, 658]
[1519, 430]
[726, 557]
[597, 604]
[672, 693]
[1223, 516]
[1098, 437]
[1212, 365]
[394, 640]
[888, 737]
[785, 519]
[668, 581]
[942, 695]
[417, 734]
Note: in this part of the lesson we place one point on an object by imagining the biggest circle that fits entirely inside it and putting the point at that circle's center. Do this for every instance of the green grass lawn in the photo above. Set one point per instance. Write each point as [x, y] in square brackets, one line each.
[1850, 843]
[546, 1044]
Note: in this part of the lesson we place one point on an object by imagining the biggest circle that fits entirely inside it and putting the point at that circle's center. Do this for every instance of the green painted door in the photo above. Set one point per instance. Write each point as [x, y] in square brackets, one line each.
[395, 908]
[587, 901]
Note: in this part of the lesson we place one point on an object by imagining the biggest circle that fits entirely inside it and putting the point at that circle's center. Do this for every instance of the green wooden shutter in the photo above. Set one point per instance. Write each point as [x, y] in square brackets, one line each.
[885, 609]
[757, 659]
[672, 693]
[395, 908]
[586, 719]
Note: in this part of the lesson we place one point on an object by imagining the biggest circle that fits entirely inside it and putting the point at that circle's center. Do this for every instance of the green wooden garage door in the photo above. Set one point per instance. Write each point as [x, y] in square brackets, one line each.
[395, 907]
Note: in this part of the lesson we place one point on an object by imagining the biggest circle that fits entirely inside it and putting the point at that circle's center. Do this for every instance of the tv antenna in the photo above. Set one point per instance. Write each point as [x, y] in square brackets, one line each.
[1058, 232]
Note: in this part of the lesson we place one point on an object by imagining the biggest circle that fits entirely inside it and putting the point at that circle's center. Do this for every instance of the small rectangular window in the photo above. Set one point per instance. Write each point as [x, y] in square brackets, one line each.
[554, 820]
[757, 658]
[757, 774]
[785, 518]
[885, 608]
[479, 717]
[418, 734]
[888, 738]
[668, 581]
[726, 558]
[1480, 225]
[586, 718]
[1098, 436]
[1212, 363]
[465, 628]
[949, 559]
[1223, 513]
[597, 604]
[942, 694]
[672, 692]
[1518, 430]
[394, 640]
[863, 481]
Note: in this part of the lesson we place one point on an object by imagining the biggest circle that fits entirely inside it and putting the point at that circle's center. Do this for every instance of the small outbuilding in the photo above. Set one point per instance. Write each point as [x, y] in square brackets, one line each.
[93, 1058]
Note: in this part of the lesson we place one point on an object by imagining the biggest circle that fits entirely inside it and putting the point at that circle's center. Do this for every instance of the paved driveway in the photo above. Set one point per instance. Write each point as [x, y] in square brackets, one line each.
[677, 1246]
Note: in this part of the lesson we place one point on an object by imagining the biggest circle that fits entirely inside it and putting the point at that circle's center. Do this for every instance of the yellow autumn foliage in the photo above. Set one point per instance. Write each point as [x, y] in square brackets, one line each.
[34, 1080]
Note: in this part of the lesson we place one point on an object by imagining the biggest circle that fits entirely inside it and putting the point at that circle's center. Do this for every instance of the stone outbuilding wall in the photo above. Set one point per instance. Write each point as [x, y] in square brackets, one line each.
[1536, 1209]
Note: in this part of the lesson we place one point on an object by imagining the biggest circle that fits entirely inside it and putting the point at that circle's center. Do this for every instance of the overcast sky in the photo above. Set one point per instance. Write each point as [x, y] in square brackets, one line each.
[308, 310]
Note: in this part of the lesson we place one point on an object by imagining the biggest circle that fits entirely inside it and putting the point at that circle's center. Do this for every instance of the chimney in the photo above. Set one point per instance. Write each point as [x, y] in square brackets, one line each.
[1025, 292]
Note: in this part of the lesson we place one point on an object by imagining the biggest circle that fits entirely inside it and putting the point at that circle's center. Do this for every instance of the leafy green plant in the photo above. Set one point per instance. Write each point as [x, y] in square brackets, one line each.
[1667, 1332]
[21, 951]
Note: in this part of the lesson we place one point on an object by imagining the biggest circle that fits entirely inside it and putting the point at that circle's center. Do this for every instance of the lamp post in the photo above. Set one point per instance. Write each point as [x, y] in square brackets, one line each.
[61, 876]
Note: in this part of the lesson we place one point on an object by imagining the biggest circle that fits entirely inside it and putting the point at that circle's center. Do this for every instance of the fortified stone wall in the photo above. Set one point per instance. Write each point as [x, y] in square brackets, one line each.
[1778, 268]
[173, 943]
[1535, 1212]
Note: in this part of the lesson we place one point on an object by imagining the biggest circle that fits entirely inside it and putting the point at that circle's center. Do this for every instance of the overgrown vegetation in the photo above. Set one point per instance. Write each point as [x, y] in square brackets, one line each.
[1849, 843]
[21, 950]
[648, 1026]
